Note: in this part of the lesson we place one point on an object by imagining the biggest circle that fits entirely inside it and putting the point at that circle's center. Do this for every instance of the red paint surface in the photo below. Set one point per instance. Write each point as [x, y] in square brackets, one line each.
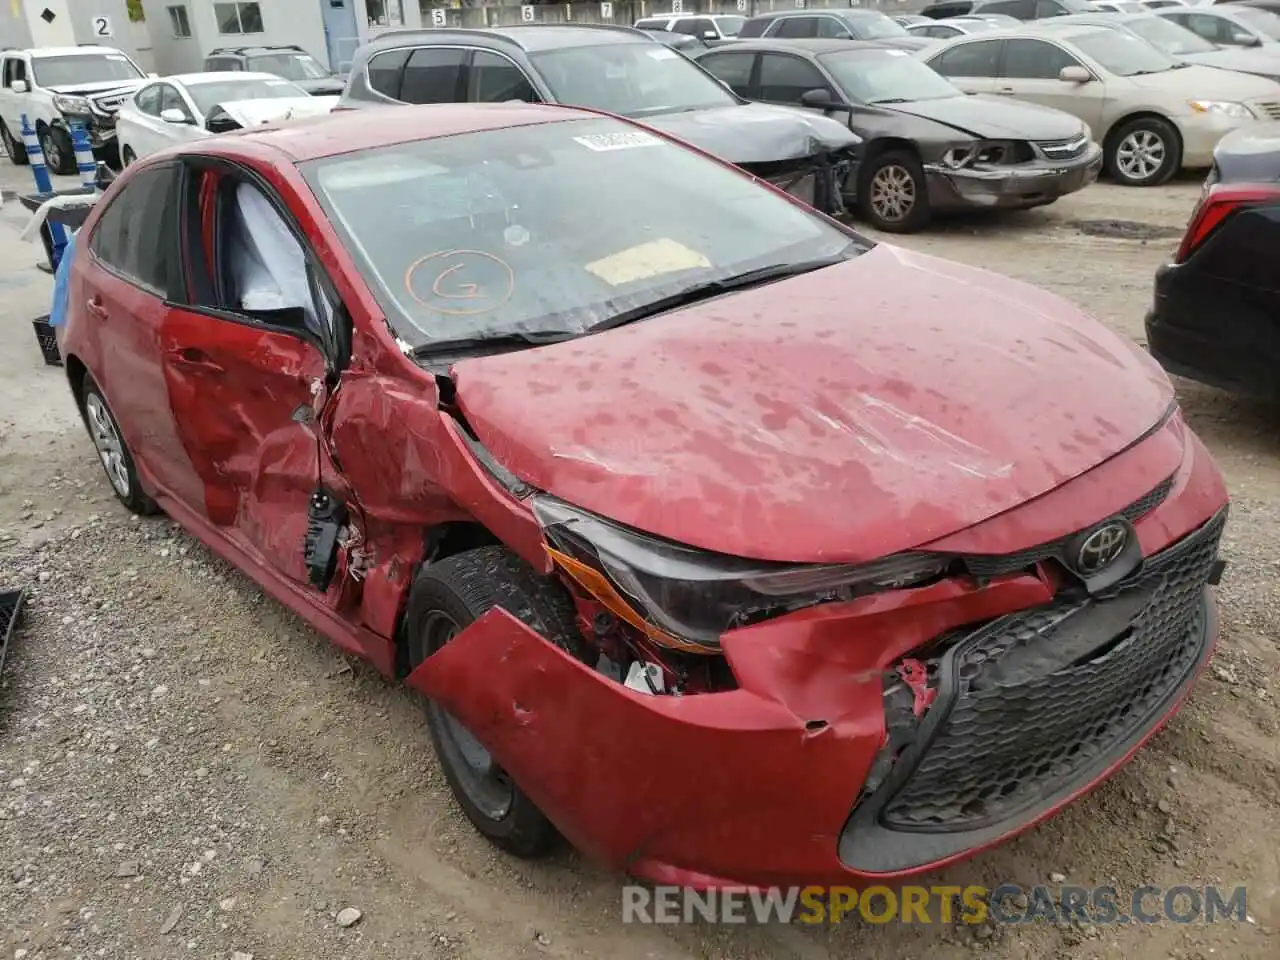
[936, 405]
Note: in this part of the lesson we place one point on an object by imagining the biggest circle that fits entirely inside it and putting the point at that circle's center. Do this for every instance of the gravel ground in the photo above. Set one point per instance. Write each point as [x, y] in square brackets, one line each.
[186, 770]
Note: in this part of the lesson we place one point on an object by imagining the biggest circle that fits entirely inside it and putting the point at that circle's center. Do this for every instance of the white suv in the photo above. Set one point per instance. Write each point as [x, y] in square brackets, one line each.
[54, 85]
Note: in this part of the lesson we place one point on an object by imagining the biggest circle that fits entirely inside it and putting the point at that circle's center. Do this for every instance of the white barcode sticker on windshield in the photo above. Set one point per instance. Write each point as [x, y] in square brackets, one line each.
[600, 142]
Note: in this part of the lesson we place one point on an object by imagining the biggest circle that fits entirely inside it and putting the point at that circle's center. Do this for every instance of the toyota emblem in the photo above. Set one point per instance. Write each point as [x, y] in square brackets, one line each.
[1102, 548]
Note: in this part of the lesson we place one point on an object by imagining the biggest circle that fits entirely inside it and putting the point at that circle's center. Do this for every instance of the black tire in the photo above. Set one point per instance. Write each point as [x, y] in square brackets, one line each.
[59, 154]
[446, 597]
[894, 173]
[127, 157]
[113, 452]
[15, 149]
[1144, 152]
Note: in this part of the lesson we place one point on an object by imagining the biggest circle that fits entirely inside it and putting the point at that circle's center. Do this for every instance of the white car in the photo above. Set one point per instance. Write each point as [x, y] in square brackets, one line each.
[54, 86]
[194, 105]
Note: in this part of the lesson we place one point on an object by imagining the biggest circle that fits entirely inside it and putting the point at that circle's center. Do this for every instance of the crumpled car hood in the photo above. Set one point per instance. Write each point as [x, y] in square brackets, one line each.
[756, 132]
[995, 117]
[252, 113]
[875, 405]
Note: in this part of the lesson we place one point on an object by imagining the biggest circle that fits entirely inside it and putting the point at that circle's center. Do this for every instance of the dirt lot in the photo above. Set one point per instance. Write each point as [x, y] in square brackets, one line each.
[185, 770]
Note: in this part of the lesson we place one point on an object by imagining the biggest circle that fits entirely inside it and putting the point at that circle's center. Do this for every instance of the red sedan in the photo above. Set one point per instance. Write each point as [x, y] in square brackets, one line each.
[730, 545]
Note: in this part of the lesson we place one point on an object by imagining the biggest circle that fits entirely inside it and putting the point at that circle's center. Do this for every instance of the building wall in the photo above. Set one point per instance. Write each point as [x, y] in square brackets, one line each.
[170, 53]
[283, 21]
[83, 15]
[59, 32]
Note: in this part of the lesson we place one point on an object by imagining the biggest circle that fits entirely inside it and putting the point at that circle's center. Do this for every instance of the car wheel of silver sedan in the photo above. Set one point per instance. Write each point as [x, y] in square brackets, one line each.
[1144, 152]
[892, 193]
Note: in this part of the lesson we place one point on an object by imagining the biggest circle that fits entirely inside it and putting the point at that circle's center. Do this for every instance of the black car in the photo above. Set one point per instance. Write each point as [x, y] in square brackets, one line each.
[288, 60]
[1018, 9]
[620, 70]
[831, 24]
[1216, 315]
[928, 146]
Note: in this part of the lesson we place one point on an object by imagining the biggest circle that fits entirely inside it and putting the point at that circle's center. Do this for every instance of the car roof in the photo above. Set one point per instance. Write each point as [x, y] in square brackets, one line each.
[529, 37]
[71, 51]
[251, 50]
[806, 12]
[348, 131]
[215, 76]
[814, 47]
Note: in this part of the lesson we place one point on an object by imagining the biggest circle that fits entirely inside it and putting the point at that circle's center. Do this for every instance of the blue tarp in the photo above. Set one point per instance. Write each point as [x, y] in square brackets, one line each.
[61, 284]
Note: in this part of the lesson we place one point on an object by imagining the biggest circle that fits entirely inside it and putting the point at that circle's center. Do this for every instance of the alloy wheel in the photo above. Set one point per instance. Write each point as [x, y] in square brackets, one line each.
[893, 193]
[106, 439]
[1140, 155]
[52, 155]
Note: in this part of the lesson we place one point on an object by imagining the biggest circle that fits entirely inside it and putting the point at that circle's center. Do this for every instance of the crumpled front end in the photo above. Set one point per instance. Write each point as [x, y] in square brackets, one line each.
[1012, 174]
[815, 180]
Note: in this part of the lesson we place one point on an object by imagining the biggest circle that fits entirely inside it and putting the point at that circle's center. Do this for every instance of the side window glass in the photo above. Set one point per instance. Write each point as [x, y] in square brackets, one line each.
[148, 101]
[784, 79]
[1035, 60]
[797, 28]
[732, 69]
[170, 99]
[1048, 8]
[432, 75]
[968, 60]
[830, 28]
[1207, 27]
[386, 71]
[493, 79]
[137, 235]
[19, 69]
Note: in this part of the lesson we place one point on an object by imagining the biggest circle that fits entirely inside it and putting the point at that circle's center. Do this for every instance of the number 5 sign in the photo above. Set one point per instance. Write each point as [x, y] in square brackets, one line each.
[526, 13]
[102, 27]
[437, 17]
[606, 11]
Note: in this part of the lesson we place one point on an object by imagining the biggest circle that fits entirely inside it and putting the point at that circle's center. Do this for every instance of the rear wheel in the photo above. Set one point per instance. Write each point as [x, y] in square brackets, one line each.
[15, 149]
[113, 452]
[127, 156]
[892, 193]
[447, 597]
[1145, 152]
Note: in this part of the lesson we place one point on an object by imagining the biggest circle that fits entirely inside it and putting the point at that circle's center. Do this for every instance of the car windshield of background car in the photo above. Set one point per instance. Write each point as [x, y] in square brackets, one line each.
[886, 76]
[1264, 21]
[551, 228]
[209, 95]
[1168, 36]
[1124, 54]
[291, 66]
[73, 70]
[630, 79]
[876, 26]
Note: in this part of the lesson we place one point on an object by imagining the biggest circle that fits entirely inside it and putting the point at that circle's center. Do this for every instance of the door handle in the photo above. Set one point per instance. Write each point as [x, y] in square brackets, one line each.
[196, 359]
[1005, 91]
[96, 307]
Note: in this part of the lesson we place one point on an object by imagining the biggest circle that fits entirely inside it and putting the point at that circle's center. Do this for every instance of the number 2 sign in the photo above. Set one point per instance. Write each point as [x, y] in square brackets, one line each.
[102, 27]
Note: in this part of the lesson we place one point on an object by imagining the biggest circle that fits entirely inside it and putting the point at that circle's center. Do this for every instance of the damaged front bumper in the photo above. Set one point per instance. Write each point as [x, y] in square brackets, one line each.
[1010, 186]
[814, 180]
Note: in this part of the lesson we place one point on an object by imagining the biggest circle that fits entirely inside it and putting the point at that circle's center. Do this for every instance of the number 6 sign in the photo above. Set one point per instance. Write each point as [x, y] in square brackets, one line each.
[526, 13]
[437, 17]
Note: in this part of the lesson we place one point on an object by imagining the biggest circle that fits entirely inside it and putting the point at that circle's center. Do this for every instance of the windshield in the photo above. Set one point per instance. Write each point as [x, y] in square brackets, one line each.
[1123, 54]
[891, 75]
[1168, 36]
[75, 70]
[209, 95]
[730, 26]
[875, 26]
[550, 228]
[291, 66]
[631, 79]
[1264, 21]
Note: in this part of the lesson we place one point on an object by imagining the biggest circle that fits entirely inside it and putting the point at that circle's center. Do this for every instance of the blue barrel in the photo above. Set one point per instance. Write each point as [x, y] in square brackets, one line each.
[85, 163]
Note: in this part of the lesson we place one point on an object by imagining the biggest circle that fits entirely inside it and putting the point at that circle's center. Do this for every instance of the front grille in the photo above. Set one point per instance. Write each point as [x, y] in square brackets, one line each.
[985, 566]
[1268, 108]
[112, 102]
[1064, 149]
[1006, 744]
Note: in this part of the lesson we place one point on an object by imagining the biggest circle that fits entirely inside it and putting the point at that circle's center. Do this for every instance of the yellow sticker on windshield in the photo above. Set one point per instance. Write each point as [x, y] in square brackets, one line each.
[647, 260]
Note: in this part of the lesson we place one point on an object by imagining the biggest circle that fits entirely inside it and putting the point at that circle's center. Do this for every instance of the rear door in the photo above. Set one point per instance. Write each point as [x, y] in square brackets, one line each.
[794, 28]
[1030, 70]
[493, 78]
[435, 75]
[972, 65]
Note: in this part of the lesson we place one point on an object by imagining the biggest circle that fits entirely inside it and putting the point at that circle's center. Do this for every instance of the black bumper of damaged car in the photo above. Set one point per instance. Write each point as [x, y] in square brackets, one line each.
[814, 180]
[998, 187]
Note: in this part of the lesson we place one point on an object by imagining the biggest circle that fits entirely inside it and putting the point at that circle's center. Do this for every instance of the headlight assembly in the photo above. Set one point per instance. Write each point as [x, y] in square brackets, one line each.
[685, 598]
[1225, 108]
[72, 105]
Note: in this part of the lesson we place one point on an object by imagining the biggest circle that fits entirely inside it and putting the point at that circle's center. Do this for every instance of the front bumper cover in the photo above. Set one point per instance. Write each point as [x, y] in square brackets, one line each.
[1011, 187]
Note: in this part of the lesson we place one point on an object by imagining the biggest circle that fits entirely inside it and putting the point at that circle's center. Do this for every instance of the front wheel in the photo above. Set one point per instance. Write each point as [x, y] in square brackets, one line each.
[59, 154]
[1145, 152]
[892, 193]
[447, 597]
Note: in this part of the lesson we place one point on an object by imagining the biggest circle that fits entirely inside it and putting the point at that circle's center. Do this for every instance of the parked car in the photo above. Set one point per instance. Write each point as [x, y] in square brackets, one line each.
[1018, 9]
[1229, 25]
[907, 19]
[614, 486]
[831, 24]
[710, 28]
[1215, 309]
[54, 86]
[617, 69]
[288, 61]
[1271, 6]
[1179, 42]
[1153, 115]
[1161, 4]
[195, 105]
[683, 42]
[1117, 6]
[927, 146]
[959, 26]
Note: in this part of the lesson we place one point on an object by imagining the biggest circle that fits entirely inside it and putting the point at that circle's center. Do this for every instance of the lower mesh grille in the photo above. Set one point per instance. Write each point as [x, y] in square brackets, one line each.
[1006, 745]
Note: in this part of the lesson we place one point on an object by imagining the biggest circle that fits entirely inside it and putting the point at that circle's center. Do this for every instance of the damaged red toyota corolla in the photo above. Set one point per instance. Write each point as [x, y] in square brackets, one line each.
[740, 549]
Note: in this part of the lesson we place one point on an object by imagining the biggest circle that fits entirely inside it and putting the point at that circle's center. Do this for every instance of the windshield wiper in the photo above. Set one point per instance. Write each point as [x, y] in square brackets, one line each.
[891, 100]
[713, 288]
[507, 338]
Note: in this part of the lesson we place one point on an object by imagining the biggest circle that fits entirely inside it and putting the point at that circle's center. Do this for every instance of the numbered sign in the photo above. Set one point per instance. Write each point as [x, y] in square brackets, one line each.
[437, 18]
[606, 11]
[102, 27]
[677, 6]
[526, 13]
[742, 6]
[799, 4]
